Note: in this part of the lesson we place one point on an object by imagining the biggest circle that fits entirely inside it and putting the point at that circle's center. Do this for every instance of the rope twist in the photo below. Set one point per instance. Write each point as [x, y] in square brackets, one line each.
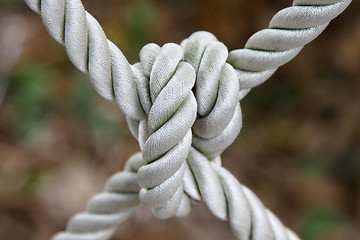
[182, 104]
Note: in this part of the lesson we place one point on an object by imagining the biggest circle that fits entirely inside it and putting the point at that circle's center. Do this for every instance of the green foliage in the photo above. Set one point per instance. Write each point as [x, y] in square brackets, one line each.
[281, 97]
[346, 168]
[81, 98]
[29, 97]
[312, 167]
[82, 105]
[32, 98]
[10, 2]
[140, 16]
[323, 221]
[32, 182]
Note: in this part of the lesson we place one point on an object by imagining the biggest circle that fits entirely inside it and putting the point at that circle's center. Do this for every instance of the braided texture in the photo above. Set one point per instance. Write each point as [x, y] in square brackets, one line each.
[106, 210]
[289, 31]
[182, 105]
[88, 48]
[204, 180]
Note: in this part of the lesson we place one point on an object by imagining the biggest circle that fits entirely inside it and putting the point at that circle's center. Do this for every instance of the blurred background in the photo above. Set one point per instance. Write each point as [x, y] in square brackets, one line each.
[60, 141]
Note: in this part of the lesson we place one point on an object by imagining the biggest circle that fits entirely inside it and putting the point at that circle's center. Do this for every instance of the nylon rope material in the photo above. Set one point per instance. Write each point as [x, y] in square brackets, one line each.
[182, 105]
[248, 218]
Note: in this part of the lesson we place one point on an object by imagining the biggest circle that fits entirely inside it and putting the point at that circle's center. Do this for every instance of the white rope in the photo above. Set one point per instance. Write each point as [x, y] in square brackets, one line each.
[106, 210]
[217, 91]
[220, 191]
[289, 31]
[181, 131]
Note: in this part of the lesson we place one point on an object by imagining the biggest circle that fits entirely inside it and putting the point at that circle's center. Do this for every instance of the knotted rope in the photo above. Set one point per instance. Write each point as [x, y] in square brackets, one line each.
[182, 105]
[220, 190]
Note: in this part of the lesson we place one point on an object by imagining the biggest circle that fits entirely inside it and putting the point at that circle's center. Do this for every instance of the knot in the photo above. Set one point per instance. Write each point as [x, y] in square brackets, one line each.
[217, 93]
[175, 98]
[158, 97]
[166, 134]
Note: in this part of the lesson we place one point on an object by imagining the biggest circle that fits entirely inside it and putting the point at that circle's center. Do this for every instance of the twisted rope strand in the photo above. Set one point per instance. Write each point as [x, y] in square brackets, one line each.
[228, 200]
[219, 189]
[289, 31]
[106, 210]
[181, 136]
[85, 41]
[165, 136]
[217, 89]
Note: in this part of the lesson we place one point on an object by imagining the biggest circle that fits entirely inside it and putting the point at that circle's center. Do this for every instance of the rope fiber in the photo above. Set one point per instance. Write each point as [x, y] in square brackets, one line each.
[182, 104]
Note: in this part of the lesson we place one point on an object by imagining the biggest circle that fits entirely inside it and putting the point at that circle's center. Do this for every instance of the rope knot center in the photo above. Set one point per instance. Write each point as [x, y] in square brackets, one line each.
[184, 96]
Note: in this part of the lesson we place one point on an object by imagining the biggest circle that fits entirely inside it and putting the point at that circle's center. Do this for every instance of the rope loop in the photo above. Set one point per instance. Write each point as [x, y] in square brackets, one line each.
[165, 135]
[181, 101]
[217, 93]
[182, 105]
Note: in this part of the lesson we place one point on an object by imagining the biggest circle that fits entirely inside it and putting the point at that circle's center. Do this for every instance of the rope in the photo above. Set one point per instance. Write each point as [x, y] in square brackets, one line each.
[182, 105]
[86, 44]
[289, 31]
[220, 191]
[106, 210]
